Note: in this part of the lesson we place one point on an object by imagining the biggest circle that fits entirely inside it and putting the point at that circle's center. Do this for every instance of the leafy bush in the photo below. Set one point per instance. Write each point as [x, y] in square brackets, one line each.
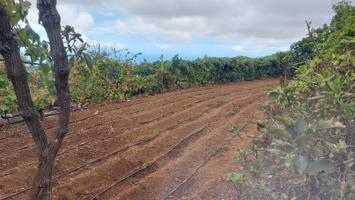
[7, 96]
[307, 149]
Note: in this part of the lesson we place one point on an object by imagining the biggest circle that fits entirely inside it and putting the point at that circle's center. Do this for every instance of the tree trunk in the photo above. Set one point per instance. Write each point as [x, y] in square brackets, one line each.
[50, 19]
[41, 184]
[16, 72]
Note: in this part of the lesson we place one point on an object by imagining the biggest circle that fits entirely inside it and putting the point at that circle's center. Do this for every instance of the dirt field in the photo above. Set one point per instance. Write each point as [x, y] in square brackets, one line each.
[171, 146]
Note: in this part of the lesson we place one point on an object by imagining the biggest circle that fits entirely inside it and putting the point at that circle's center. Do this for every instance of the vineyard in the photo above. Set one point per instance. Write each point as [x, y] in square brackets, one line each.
[96, 77]
[82, 121]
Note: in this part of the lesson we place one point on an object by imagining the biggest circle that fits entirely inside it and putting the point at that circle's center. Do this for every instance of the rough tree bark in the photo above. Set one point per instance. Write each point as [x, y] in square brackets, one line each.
[16, 72]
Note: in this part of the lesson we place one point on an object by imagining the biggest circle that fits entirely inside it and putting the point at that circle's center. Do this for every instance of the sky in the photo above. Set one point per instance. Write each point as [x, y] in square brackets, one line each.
[192, 28]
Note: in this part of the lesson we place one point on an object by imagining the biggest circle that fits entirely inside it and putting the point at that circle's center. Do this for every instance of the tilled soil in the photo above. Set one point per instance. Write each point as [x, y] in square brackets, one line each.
[175, 145]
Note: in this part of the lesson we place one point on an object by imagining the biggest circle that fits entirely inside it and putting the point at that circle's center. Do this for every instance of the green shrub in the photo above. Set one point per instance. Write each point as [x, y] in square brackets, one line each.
[307, 149]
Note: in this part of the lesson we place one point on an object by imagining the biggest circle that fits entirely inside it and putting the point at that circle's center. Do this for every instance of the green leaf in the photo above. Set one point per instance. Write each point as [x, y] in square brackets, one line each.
[24, 8]
[275, 151]
[51, 87]
[298, 128]
[44, 68]
[300, 163]
[235, 177]
[277, 142]
[260, 123]
[88, 60]
[322, 165]
[279, 132]
[305, 139]
[327, 124]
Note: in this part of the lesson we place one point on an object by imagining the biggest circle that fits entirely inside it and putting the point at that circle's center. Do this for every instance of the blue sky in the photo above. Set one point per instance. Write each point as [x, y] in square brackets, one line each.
[192, 28]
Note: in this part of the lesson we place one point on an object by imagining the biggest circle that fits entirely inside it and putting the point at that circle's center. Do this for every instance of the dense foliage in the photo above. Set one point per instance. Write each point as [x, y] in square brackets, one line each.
[308, 146]
[113, 79]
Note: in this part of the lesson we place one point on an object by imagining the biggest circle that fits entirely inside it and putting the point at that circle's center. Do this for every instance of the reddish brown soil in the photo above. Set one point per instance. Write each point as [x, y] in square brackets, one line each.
[170, 146]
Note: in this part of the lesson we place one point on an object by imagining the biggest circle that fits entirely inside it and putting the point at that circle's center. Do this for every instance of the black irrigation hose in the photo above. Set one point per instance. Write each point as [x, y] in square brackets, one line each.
[113, 135]
[137, 143]
[82, 119]
[140, 142]
[133, 172]
[113, 153]
[146, 165]
[167, 196]
[90, 116]
[97, 196]
[79, 109]
[106, 156]
[100, 124]
[122, 149]
[138, 169]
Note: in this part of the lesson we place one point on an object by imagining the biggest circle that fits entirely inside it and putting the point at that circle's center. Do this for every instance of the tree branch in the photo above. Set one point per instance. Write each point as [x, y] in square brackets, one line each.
[50, 19]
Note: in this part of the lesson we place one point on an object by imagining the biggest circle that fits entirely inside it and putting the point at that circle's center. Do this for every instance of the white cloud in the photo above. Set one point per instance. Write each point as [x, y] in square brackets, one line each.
[70, 15]
[272, 22]
[162, 46]
[251, 24]
[237, 48]
[121, 25]
[138, 25]
[85, 21]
